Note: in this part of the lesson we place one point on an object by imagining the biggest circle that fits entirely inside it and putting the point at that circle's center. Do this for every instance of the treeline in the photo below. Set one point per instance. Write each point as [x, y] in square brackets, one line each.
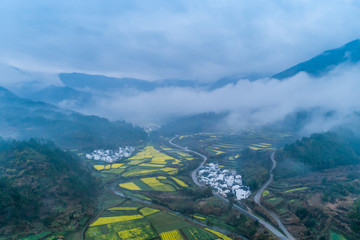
[192, 124]
[41, 184]
[22, 119]
[324, 150]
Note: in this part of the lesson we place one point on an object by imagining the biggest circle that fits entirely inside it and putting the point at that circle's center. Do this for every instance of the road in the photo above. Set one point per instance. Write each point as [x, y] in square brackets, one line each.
[194, 172]
[251, 215]
[258, 196]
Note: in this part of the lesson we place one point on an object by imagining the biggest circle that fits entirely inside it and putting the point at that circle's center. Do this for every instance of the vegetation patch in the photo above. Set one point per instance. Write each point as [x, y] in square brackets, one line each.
[107, 220]
[219, 234]
[335, 236]
[296, 189]
[123, 209]
[157, 185]
[139, 233]
[265, 193]
[164, 222]
[146, 211]
[197, 233]
[171, 235]
[130, 186]
[179, 182]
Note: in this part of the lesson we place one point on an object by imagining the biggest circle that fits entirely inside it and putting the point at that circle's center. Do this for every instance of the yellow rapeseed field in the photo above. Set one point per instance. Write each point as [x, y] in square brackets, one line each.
[169, 170]
[171, 235]
[116, 165]
[108, 166]
[139, 233]
[130, 186]
[151, 165]
[217, 152]
[254, 148]
[146, 211]
[157, 185]
[183, 154]
[222, 236]
[99, 167]
[107, 220]
[161, 177]
[178, 181]
[123, 209]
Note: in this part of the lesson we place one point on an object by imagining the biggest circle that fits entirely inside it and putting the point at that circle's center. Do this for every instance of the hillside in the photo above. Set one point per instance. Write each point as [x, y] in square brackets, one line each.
[21, 118]
[193, 124]
[325, 62]
[324, 150]
[42, 188]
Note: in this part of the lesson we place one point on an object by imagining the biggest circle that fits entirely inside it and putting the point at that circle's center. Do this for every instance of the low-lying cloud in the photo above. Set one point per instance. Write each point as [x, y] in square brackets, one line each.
[250, 104]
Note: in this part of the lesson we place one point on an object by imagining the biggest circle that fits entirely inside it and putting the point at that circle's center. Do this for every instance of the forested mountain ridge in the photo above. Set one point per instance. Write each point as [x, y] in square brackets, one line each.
[324, 150]
[42, 187]
[325, 62]
[22, 118]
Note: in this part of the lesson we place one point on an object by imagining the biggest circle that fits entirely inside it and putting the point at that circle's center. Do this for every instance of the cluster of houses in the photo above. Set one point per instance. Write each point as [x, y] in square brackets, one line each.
[110, 156]
[224, 182]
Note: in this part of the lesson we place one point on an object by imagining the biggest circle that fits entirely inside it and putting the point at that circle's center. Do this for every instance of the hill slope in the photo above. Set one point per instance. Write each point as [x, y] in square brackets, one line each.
[21, 118]
[42, 187]
[325, 62]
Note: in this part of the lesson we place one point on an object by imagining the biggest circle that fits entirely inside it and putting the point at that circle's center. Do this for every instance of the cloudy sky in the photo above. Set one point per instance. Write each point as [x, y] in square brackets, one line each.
[156, 39]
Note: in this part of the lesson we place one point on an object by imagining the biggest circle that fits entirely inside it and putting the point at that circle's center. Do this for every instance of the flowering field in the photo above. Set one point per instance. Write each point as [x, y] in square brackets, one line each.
[145, 223]
[171, 235]
[160, 183]
[130, 186]
[107, 220]
[222, 236]
[155, 184]
[146, 211]
[197, 233]
[139, 233]
[179, 182]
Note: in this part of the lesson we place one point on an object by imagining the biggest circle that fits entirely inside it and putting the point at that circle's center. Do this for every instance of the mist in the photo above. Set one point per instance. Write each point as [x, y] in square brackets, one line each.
[249, 103]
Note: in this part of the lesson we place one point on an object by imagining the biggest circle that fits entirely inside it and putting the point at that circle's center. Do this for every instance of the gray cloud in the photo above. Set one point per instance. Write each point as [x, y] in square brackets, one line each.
[159, 39]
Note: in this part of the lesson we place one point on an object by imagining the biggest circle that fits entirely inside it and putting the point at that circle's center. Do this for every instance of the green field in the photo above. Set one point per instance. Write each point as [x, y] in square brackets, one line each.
[152, 223]
[335, 236]
[164, 222]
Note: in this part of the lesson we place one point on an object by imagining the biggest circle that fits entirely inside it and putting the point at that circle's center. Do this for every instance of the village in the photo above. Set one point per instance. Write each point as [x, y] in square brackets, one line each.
[110, 156]
[226, 183]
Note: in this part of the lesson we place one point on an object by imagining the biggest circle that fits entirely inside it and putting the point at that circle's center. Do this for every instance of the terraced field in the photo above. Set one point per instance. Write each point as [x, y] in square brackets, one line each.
[141, 222]
[160, 183]
[148, 161]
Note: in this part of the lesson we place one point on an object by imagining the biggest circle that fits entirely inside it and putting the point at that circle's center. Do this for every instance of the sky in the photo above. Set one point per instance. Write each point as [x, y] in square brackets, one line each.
[188, 40]
[179, 39]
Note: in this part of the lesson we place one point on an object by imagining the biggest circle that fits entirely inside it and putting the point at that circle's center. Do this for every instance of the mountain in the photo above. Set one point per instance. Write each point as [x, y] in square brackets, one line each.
[104, 83]
[22, 118]
[193, 124]
[62, 96]
[42, 188]
[325, 62]
[325, 150]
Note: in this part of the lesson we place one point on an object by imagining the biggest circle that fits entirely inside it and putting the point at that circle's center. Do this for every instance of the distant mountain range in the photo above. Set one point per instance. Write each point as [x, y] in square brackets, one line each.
[22, 118]
[325, 62]
[80, 90]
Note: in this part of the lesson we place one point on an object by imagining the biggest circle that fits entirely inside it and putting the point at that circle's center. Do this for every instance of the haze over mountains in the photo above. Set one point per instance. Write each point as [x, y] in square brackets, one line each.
[248, 103]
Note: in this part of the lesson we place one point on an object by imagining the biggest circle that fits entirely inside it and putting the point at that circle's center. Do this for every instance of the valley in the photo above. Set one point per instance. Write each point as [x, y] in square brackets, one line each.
[179, 120]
